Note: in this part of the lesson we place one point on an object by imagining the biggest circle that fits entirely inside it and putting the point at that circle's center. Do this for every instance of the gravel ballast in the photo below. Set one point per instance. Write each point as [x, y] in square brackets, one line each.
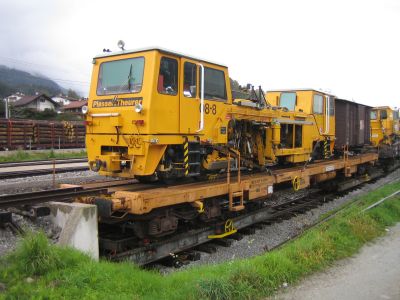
[45, 182]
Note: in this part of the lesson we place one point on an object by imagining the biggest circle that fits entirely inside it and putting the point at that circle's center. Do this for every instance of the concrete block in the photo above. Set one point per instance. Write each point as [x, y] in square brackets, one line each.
[79, 226]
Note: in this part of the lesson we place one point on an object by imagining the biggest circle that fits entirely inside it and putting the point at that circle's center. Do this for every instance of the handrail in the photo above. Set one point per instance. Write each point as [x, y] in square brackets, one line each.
[201, 100]
[327, 123]
[105, 115]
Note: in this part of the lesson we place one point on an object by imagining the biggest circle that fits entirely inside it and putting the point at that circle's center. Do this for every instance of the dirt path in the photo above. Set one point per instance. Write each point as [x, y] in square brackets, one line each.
[372, 274]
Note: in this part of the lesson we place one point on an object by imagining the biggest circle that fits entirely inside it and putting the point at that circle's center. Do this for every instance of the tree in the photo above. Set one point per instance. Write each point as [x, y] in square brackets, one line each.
[72, 94]
[2, 108]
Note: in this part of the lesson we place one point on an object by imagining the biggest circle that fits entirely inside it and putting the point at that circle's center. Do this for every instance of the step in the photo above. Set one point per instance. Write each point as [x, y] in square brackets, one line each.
[194, 164]
[237, 194]
[194, 151]
[237, 208]
[193, 174]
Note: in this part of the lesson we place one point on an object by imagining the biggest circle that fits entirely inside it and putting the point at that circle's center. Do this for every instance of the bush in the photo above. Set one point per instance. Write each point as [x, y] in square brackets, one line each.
[35, 256]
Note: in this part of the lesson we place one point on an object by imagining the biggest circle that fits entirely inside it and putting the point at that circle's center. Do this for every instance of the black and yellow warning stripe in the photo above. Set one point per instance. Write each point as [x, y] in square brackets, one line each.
[186, 156]
[326, 149]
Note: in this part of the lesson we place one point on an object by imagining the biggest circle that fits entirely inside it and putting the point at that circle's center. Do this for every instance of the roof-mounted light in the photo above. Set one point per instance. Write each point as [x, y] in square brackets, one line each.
[121, 45]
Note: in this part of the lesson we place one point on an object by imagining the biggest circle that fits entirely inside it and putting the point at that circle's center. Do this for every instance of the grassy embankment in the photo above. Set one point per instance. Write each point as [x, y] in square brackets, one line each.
[67, 274]
[31, 155]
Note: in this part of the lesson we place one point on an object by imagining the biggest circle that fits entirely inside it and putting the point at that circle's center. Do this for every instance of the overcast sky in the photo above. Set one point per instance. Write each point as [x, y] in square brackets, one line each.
[351, 48]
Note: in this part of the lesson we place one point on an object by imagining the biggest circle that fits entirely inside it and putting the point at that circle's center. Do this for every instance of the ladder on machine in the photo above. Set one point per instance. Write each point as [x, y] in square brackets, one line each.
[191, 156]
[232, 193]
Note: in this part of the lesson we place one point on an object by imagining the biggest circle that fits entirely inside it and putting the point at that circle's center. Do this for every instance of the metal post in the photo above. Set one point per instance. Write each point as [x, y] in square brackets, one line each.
[239, 167]
[54, 173]
[228, 177]
[6, 108]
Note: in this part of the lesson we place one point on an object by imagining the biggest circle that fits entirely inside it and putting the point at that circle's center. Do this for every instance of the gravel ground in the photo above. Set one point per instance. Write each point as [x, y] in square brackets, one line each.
[274, 234]
[45, 182]
[9, 240]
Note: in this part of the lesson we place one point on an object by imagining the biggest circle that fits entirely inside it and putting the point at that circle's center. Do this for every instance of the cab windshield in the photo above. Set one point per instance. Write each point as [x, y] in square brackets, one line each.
[121, 76]
[373, 114]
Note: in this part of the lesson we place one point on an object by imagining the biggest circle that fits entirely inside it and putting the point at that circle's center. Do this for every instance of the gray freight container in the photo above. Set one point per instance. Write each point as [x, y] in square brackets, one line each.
[352, 124]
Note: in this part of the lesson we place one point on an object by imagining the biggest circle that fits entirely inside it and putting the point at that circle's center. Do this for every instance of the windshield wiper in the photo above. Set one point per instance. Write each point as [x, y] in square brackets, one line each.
[129, 78]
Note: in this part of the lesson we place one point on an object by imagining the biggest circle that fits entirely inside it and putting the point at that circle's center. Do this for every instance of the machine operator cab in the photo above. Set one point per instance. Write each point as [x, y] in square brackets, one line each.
[320, 106]
[141, 101]
[385, 124]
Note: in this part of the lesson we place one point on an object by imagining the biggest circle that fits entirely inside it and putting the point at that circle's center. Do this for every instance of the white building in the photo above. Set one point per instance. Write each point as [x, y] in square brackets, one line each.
[63, 100]
[37, 102]
[14, 97]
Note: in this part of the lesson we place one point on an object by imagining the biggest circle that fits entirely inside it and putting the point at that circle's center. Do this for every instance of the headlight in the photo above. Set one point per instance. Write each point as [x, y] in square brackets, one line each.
[138, 107]
[85, 109]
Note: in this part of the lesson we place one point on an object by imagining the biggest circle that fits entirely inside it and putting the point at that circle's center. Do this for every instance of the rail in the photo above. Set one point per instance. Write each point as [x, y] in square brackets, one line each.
[33, 168]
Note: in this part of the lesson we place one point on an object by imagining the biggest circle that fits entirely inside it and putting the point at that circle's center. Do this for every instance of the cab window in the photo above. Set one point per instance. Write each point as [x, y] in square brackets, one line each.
[121, 76]
[318, 104]
[168, 76]
[395, 114]
[288, 100]
[383, 115]
[331, 106]
[189, 80]
[373, 115]
[214, 84]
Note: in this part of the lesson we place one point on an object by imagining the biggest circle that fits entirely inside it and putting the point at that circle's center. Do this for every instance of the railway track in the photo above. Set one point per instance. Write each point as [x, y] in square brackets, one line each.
[42, 167]
[114, 245]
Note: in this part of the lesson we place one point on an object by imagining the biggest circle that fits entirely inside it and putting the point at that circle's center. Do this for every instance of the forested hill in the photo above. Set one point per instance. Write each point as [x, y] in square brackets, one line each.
[13, 80]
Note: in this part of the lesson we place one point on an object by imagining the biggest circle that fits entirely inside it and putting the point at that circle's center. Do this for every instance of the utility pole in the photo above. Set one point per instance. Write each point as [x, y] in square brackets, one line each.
[6, 108]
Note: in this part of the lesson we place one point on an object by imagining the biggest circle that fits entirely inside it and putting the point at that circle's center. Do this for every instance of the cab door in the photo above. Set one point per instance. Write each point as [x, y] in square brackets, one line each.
[324, 113]
[189, 100]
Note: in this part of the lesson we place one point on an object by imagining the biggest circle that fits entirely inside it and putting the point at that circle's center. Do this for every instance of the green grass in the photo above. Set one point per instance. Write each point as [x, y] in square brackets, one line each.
[67, 274]
[21, 155]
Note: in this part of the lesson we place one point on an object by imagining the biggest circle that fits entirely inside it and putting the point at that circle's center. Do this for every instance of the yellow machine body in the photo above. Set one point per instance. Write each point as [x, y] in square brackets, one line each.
[319, 106]
[385, 125]
[147, 115]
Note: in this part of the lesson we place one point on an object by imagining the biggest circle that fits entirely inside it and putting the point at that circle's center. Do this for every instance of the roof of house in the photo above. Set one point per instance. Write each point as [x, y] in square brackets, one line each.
[28, 99]
[75, 104]
[66, 98]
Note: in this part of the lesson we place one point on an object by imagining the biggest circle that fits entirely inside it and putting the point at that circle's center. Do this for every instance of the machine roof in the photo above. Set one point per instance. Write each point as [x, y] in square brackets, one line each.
[301, 89]
[163, 50]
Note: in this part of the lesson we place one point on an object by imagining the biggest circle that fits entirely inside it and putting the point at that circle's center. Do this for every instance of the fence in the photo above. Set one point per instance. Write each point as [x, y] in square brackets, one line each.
[34, 134]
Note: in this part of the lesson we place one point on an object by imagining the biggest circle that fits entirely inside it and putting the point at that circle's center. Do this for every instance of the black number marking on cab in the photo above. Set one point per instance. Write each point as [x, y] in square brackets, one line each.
[209, 109]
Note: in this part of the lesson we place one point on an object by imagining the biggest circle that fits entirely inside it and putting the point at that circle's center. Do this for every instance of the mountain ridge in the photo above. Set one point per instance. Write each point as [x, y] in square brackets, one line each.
[14, 80]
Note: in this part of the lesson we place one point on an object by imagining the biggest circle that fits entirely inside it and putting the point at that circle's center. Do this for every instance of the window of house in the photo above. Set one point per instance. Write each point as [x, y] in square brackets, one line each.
[189, 80]
[373, 114]
[168, 76]
[288, 100]
[383, 114]
[214, 84]
[318, 104]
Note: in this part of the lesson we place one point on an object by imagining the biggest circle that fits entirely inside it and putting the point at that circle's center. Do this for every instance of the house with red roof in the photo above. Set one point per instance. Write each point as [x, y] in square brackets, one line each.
[75, 106]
